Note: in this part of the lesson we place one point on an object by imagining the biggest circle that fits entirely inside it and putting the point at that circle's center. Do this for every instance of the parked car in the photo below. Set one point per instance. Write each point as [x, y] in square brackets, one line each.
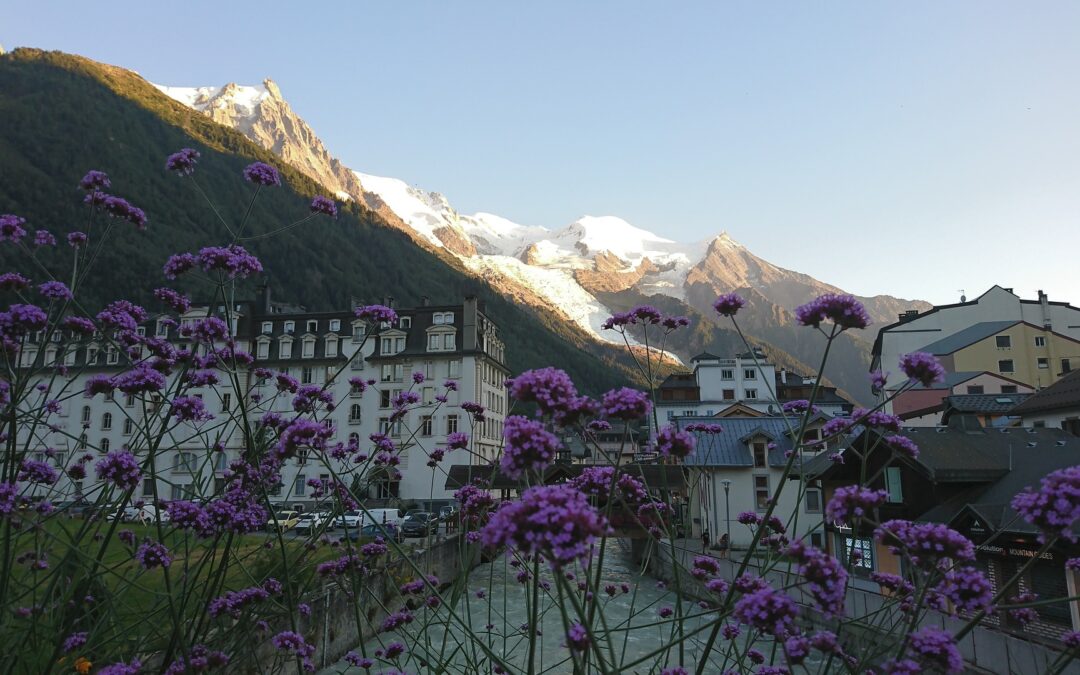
[350, 520]
[144, 514]
[283, 520]
[448, 514]
[311, 522]
[384, 516]
[420, 524]
[389, 531]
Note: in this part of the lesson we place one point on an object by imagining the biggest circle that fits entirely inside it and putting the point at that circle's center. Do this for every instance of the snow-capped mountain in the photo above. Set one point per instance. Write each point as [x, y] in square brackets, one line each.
[569, 267]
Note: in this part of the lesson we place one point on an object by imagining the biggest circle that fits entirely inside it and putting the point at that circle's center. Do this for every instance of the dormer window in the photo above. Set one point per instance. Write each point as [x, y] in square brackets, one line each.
[442, 318]
[331, 346]
[308, 348]
[285, 348]
[162, 328]
[141, 331]
[405, 322]
[359, 330]
[290, 327]
[262, 349]
[267, 327]
[312, 326]
[335, 325]
[112, 357]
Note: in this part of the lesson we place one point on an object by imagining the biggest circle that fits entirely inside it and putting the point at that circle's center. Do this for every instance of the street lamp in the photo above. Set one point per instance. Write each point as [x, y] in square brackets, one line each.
[726, 482]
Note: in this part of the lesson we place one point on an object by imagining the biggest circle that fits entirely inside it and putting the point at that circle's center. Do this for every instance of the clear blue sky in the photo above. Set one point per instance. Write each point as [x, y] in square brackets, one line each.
[911, 148]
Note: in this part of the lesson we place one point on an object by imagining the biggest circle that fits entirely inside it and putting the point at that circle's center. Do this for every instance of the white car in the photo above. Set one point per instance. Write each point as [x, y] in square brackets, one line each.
[311, 522]
[351, 520]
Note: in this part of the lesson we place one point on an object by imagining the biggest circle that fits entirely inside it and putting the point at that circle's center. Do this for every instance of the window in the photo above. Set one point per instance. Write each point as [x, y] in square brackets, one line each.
[455, 368]
[105, 445]
[301, 457]
[129, 401]
[112, 357]
[1003, 342]
[354, 440]
[387, 372]
[285, 349]
[331, 347]
[357, 362]
[975, 389]
[267, 327]
[892, 485]
[433, 342]
[1005, 366]
[384, 398]
[441, 318]
[307, 348]
[749, 373]
[335, 325]
[1066, 367]
[761, 492]
[429, 369]
[1008, 389]
[354, 413]
[405, 322]
[81, 445]
[727, 374]
[751, 394]
[358, 331]
[860, 553]
[312, 325]
[813, 500]
[184, 462]
[449, 341]
[263, 350]
[307, 373]
[425, 425]
[1043, 362]
[451, 424]
[181, 491]
[290, 327]
[1040, 341]
[129, 426]
[106, 421]
[671, 414]
[729, 394]
[384, 425]
[300, 485]
[226, 402]
[91, 356]
[148, 487]
[759, 455]
[86, 414]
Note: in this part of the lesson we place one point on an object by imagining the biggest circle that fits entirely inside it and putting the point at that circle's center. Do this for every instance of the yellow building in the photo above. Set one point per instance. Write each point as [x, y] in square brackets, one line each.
[1018, 350]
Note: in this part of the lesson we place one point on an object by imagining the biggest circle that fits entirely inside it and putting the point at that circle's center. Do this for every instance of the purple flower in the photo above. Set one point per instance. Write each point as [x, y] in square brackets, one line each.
[529, 446]
[11, 227]
[852, 502]
[843, 310]
[139, 380]
[876, 418]
[357, 661]
[77, 239]
[177, 302]
[190, 409]
[120, 468]
[799, 407]
[292, 643]
[670, 442]
[902, 445]
[33, 471]
[74, 641]
[13, 281]
[78, 324]
[457, 440]
[550, 388]
[95, 180]
[122, 668]
[825, 578]
[704, 428]
[673, 322]
[925, 543]
[182, 161]
[122, 315]
[878, 379]
[923, 368]
[325, 205]
[261, 173]
[666, 612]
[967, 588]
[179, 264]
[577, 638]
[118, 207]
[553, 521]
[767, 609]
[44, 238]
[935, 648]
[1055, 507]
[233, 260]
[55, 290]
[394, 650]
[377, 314]
[153, 554]
[626, 403]
[728, 304]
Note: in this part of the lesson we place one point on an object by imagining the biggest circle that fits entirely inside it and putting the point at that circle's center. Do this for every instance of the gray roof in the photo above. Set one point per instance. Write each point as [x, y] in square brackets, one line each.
[950, 381]
[729, 447]
[984, 403]
[1065, 393]
[968, 336]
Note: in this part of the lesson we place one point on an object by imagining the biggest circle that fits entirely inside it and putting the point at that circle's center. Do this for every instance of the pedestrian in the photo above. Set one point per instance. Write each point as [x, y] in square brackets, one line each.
[704, 540]
[723, 546]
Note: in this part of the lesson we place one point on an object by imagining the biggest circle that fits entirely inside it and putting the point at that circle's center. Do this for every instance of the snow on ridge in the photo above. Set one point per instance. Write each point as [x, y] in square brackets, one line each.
[245, 98]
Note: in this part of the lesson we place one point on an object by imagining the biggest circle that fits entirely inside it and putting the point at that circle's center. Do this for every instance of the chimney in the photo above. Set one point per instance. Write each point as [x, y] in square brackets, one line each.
[1045, 302]
[390, 302]
[424, 301]
[469, 323]
[909, 315]
[264, 297]
[783, 376]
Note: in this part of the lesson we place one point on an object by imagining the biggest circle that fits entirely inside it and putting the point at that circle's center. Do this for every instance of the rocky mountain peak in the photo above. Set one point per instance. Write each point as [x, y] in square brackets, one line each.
[273, 90]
